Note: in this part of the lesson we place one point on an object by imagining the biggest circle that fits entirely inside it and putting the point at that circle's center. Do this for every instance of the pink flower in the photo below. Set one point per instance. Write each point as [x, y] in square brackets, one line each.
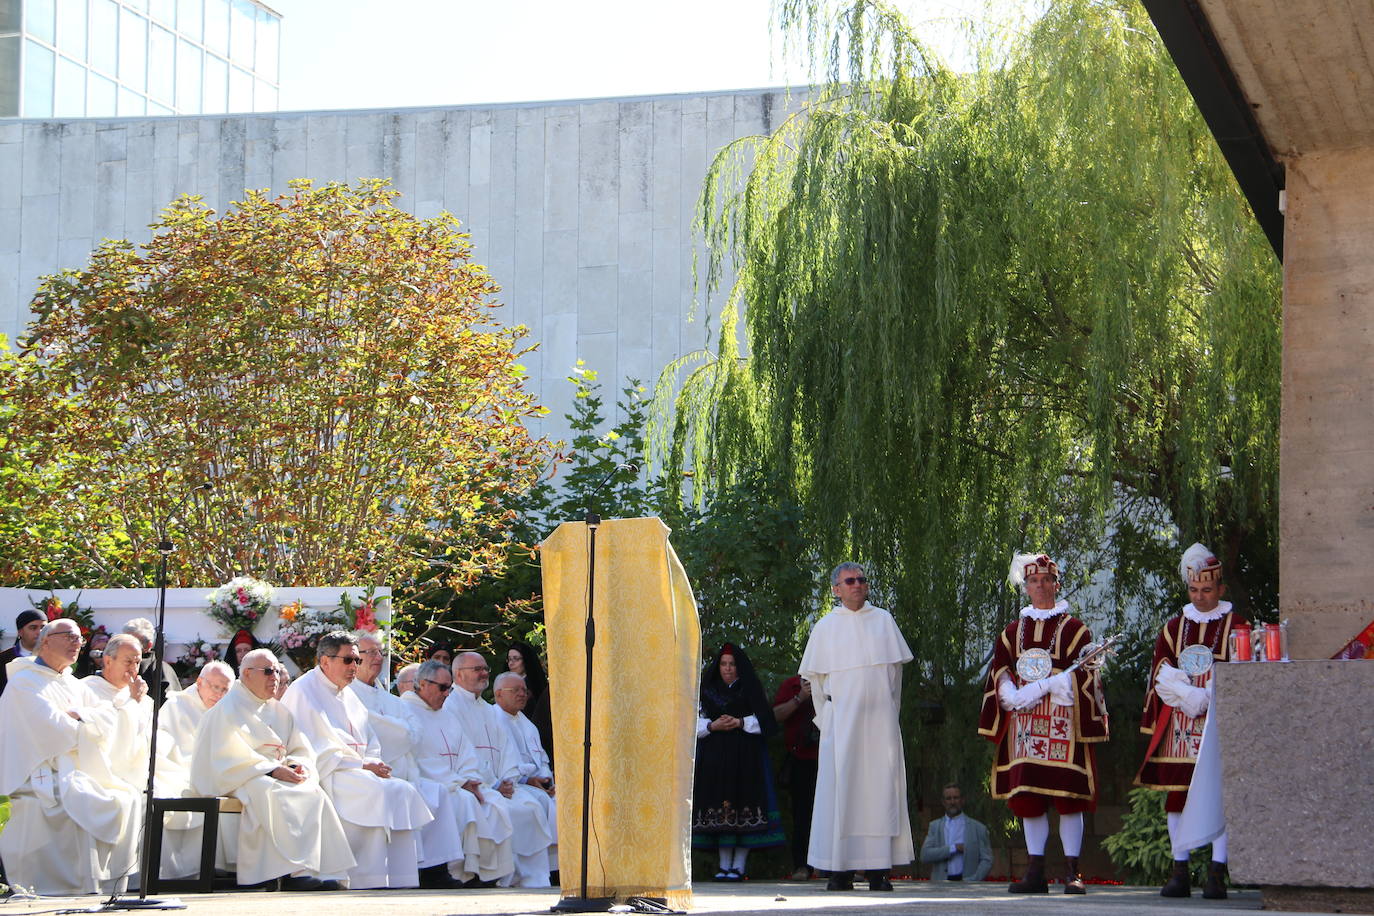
[252, 615]
[366, 620]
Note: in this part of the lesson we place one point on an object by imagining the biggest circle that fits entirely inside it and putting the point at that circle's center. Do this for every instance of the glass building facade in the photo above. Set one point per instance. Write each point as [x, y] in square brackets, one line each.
[131, 58]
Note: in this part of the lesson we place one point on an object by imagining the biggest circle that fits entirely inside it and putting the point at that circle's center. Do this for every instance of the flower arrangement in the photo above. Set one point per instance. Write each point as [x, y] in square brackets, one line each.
[240, 603]
[52, 608]
[361, 616]
[302, 626]
[195, 657]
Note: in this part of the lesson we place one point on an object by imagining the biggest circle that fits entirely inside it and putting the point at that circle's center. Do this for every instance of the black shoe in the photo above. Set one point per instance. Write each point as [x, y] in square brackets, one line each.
[1179, 883]
[878, 880]
[436, 877]
[1034, 882]
[331, 884]
[1073, 881]
[302, 883]
[1215, 886]
[840, 881]
[475, 882]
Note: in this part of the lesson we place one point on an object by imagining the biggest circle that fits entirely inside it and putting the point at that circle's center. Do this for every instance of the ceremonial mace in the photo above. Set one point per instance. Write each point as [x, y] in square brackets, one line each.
[585, 904]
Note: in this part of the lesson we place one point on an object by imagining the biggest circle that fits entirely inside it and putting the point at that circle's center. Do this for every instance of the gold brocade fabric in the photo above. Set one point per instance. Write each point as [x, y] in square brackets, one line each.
[645, 672]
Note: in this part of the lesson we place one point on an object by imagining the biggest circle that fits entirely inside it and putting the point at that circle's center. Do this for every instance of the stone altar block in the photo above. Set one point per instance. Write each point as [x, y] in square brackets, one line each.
[1297, 746]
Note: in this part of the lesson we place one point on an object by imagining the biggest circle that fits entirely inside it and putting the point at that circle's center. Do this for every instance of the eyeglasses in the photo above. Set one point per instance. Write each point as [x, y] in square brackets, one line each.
[67, 634]
[443, 688]
[270, 672]
[346, 659]
[376, 653]
[850, 580]
[475, 668]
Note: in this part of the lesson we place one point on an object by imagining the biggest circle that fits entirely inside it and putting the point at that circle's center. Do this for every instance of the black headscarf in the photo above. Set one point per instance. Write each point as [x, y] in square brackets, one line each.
[536, 681]
[232, 657]
[747, 686]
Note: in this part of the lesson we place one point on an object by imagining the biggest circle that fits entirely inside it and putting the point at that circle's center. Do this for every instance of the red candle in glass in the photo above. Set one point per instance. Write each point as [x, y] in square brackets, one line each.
[1273, 643]
[1244, 652]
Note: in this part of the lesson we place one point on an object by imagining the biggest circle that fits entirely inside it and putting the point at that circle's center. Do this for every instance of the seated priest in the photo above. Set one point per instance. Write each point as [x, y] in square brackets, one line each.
[168, 682]
[119, 685]
[446, 758]
[381, 814]
[73, 826]
[441, 840]
[534, 838]
[535, 773]
[248, 747]
[405, 679]
[177, 727]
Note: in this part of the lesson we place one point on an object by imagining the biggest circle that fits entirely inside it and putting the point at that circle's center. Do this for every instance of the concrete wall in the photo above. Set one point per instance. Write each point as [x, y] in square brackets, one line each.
[581, 210]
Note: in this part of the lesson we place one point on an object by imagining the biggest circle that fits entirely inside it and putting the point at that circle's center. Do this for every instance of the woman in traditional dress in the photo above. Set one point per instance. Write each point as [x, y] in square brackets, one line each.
[523, 660]
[735, 807]
[242, 643]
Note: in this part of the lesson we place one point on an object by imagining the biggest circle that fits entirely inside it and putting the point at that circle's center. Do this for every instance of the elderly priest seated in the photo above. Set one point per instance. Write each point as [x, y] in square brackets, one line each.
[249, 747]
[73, 825]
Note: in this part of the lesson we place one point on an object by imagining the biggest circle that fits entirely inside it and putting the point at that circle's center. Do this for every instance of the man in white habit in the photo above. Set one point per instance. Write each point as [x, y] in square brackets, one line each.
[445, 756]
[533, 769]
[405, 679]
[482, 723]
[853, 661]
[248, 747]
[178, 724]
[120, 687]
[441, 840]
[382, 816]
[73, 825]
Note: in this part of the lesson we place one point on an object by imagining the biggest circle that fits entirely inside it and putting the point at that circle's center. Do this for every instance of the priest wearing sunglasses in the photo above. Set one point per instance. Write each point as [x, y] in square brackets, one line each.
[853, 661]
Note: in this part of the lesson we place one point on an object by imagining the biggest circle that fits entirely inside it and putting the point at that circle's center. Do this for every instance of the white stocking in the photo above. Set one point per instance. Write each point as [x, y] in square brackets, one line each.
[727, 856]
[1037, 833]
[1173, 818]
[1071, 833]
[1219, 848]
[741, 854]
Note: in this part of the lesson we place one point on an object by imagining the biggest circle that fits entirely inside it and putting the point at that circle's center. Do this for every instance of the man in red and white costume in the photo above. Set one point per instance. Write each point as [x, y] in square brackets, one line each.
[1044, 720]
[1176, 705]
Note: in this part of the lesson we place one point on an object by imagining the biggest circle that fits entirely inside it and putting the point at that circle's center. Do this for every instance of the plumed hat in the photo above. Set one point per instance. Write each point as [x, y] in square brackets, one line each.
[1199, 565]
[1029, 564]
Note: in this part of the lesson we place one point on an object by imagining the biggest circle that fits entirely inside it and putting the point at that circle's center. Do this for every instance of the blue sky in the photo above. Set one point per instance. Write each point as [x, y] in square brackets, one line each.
[401, 53]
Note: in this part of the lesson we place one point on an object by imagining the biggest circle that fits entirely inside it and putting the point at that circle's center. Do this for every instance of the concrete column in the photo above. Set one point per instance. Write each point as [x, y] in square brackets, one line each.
[1326, 477]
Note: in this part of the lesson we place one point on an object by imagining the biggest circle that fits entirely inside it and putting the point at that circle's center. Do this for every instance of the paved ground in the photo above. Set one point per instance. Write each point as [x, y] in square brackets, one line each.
[809, 898]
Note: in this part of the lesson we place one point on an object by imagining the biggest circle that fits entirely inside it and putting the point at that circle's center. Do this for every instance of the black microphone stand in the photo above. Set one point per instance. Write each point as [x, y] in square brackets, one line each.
[584, 903]
[165, 548]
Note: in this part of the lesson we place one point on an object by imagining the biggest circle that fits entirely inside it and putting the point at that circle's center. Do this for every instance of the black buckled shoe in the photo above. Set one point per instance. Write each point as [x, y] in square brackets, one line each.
[878, 880]
[1179, 883]
[1034, 882]
[840, 881]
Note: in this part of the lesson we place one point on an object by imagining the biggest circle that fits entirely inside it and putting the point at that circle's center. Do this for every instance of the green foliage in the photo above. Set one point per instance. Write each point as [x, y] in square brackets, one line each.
[324, 358]
[742, 548]
[1019, 308]
[1141, 848]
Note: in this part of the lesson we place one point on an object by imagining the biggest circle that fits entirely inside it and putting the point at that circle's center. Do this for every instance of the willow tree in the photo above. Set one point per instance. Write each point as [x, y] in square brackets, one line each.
[1018, 307]
[324, 360]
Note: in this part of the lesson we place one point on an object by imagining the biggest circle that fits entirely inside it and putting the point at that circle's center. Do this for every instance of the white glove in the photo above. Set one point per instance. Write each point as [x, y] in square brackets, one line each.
[1061, 688]
[1176, 689]
[1012, 698]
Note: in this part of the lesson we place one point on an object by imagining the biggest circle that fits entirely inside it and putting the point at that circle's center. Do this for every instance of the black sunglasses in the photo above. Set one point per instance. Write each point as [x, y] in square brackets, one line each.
[850, 580]
[346, 659]
[443, 688]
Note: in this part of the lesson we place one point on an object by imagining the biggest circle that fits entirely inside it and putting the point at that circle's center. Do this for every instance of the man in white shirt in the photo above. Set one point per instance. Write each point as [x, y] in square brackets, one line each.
[381, 815]
[74, 824]
[249, 747]
[956, 846]
[854, 660]
[177, 726]
[489, 736]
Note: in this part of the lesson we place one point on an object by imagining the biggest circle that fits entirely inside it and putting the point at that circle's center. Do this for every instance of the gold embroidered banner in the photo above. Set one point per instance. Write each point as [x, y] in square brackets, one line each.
[645, 676]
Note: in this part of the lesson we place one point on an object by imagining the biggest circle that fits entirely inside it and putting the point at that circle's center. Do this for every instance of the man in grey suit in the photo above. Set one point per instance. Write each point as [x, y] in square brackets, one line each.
[956, 846]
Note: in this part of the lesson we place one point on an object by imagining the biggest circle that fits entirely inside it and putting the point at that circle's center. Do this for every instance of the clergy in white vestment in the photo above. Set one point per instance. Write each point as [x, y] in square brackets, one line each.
[382, 816]
[854, 660]
[249, 747]
[441, 840]
[120, 686]
[73, 825]
[178, 724]
[446, 757]
[534, 835]
[534, 772]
